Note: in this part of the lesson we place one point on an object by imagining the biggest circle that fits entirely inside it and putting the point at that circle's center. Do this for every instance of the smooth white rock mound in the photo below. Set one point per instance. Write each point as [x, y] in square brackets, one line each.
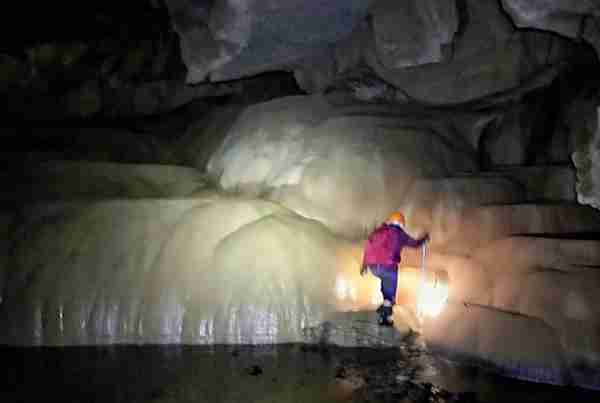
[343, 167]
[208, 270]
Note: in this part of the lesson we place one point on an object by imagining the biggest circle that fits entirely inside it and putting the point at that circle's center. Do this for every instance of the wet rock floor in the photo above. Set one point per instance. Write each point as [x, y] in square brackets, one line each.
[283, 373]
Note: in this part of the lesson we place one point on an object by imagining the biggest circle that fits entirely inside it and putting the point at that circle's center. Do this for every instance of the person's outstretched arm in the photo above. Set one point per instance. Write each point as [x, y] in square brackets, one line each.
[415, 243]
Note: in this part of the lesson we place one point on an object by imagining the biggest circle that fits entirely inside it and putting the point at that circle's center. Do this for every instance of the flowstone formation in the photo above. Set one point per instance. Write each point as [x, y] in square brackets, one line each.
[297, 150]
[273, 255]
[201, 270]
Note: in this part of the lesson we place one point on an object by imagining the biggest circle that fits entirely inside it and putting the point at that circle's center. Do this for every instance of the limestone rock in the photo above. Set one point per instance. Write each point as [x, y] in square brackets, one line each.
[373, 89]
[316, 73]
[158, 97]
[508, 142]
[530, 349]
[587, 162]
[358, 329]
[228, 39]
[415, 46]
[430, 201]
[412, 33]
[575, 19]
[550, 183]
[489, 57]
[542, 288]
[466, 191]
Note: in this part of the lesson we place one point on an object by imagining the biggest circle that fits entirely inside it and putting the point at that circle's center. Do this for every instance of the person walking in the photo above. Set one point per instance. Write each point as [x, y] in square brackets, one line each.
[381, 256]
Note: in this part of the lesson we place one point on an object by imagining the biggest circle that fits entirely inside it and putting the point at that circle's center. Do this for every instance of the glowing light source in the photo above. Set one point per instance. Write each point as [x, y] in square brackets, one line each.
[432, 296]
[344, 289]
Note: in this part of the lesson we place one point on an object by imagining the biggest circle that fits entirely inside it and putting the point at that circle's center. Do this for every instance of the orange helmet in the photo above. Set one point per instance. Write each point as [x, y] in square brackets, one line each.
[396, 217]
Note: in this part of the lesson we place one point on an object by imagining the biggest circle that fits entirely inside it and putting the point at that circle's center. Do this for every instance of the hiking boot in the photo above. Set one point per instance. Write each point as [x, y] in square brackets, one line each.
[384, 316]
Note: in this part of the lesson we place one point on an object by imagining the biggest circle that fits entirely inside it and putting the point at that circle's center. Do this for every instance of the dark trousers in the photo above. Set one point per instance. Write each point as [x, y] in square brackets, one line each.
[389, 280]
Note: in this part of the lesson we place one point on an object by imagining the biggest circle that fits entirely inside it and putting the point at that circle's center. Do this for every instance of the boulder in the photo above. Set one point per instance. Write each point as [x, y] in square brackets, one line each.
[411, 33]
[577, 19]
[225, 40]
[419, 47]
[358, 329]
[488, 57]
[587, 163]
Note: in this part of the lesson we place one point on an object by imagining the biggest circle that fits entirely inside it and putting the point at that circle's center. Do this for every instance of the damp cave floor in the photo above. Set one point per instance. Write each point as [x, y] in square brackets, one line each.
[280, 373]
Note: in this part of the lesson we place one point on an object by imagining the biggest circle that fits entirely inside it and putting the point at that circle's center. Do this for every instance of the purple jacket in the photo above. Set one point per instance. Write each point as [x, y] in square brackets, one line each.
[385, 244]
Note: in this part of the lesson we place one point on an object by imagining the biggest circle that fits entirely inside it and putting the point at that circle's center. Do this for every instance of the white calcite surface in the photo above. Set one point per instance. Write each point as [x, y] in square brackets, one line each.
[340, 166]
[220, 269]
[215, 269]
[204, 270]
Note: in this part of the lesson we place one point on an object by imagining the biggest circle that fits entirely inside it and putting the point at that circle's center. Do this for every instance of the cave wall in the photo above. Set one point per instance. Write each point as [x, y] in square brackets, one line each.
[445, 52]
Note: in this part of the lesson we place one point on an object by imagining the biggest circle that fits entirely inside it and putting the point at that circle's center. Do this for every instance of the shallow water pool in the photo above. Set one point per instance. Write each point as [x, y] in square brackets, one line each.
[283, 373]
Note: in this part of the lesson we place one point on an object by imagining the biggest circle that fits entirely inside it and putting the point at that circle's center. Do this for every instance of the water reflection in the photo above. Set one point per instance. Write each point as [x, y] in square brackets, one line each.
[283, 373]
